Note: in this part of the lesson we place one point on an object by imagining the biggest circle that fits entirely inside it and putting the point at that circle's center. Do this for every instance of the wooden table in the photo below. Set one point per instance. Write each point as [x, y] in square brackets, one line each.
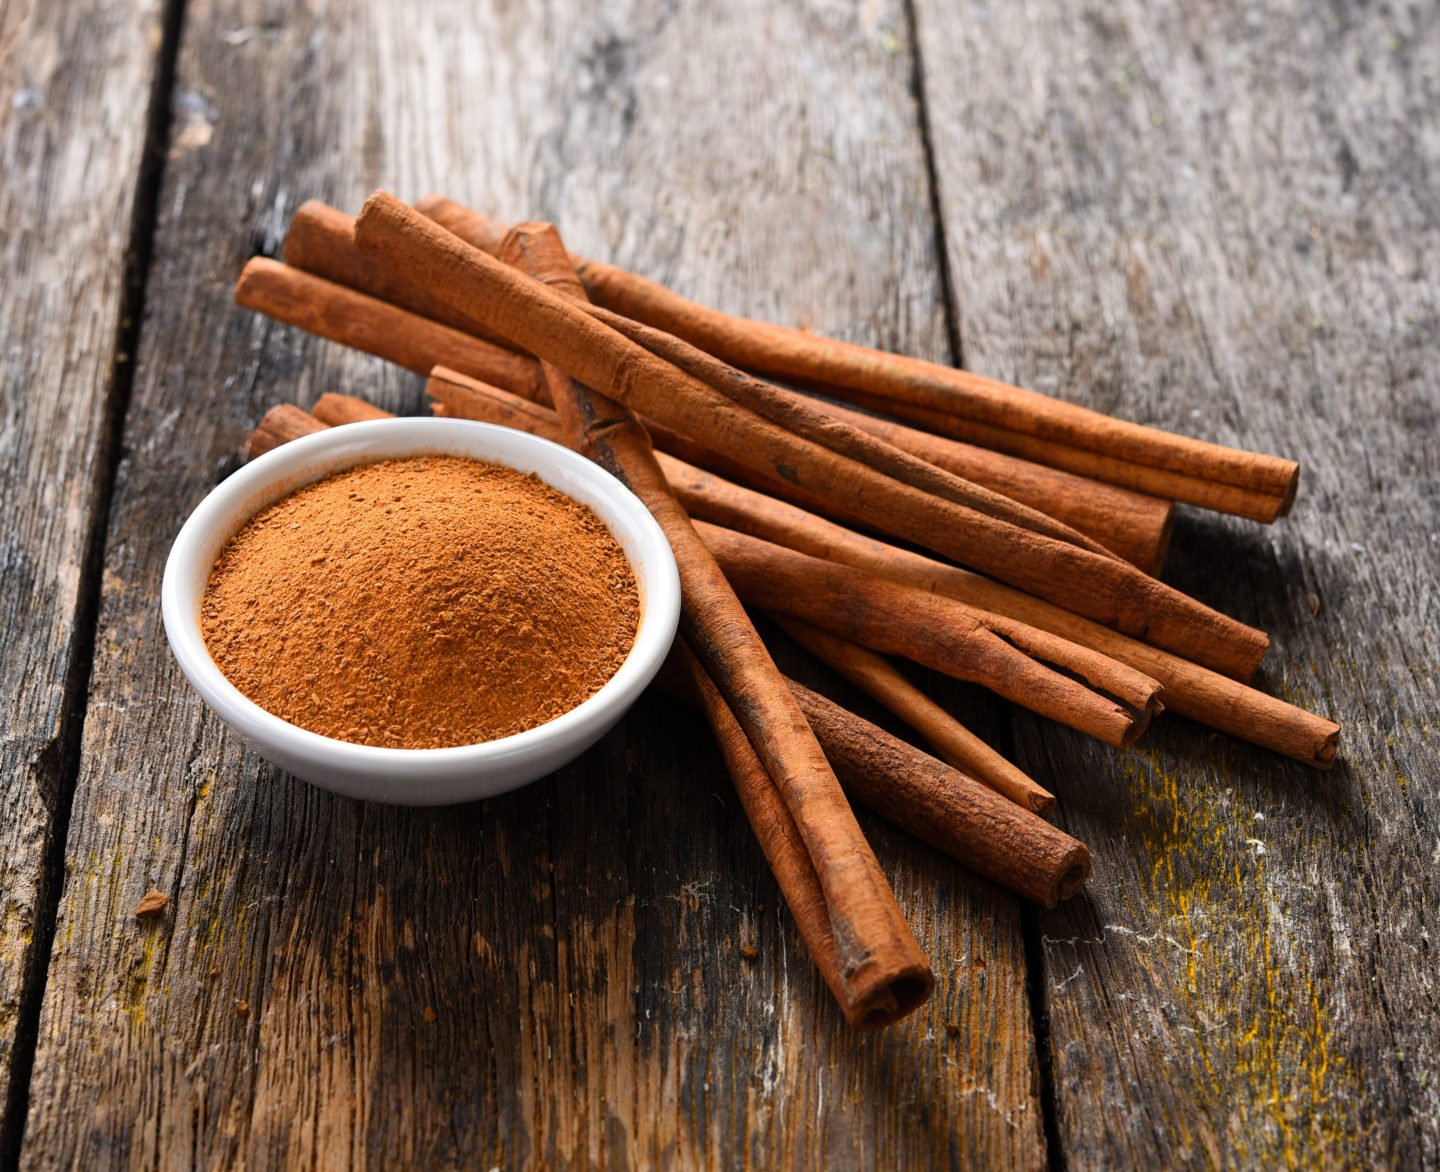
[1220, 218]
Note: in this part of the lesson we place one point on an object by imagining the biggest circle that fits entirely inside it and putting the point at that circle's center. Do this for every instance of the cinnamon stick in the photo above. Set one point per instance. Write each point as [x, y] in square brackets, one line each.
[280, 425]
[315, 241]
[983, 410]
[376, 327]
[458, 397]
[806, 420]
[1191, 690]
[334, 409]
[951, 740]
[779, 838]
[1132, 524]
[941, 805]
[535, 319]
[320, 240]
[1007, 657]
[980, 409]
[1252, 504]
[880, 965]
[946, 808]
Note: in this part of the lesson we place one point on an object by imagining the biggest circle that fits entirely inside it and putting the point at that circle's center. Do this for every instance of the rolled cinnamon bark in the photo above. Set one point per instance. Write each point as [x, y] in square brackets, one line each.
[1132, 524]
[957, 402]
[333, 409]
[366, 323]
[458, 397]
[983, 410]
[880, 965]
[1190, 689]
[938, 804]
[951, 740]
[942, 806]
[384, 329]
[1252, 504]
[803, 418]
[316, 243]
[280, 425]
[785, 848]
[535, 319]
[320, 241]
[1007, 657]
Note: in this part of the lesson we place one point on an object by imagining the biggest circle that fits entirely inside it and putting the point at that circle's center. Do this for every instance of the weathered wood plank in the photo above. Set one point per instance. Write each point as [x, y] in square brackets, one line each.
[65, 215]
[1222, 218]
[553, 977]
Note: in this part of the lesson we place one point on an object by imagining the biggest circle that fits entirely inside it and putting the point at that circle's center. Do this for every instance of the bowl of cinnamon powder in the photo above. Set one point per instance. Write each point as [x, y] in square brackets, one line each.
[420, 611]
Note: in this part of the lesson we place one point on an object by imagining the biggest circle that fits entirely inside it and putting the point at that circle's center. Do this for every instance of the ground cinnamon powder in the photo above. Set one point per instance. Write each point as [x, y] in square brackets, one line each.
[421, 603]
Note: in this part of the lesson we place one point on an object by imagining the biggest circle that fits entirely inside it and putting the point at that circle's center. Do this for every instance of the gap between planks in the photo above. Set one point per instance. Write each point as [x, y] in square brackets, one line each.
[1030, 928]
[953, 337]
[114, 403]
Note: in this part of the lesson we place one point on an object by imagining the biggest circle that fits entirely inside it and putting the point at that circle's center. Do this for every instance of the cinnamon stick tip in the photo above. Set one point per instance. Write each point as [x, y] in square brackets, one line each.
[1073, 876]
[313, 209]
[1139, 722]
[309, 218]
[432, 203]
[1039, 801]
[281, 424]
[1156, 561]
[251, 275]
[899, 997]
[379, 205]
[1292, 488]
[1327, 748]
[334, 409]
[1243, 662]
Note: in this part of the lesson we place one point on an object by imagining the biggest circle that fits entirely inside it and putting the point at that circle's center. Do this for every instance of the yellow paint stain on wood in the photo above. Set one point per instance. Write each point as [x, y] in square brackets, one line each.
[137, 984]
[1240, 969]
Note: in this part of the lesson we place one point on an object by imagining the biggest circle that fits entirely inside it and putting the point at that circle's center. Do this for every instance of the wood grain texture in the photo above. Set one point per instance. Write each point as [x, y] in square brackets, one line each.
[1224, 219]
[552, 978]
[65, 212]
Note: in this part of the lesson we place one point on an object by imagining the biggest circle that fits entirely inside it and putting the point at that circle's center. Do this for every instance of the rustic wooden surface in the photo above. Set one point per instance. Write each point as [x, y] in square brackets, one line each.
[65, 227]
[552, 977]
[1223, 220]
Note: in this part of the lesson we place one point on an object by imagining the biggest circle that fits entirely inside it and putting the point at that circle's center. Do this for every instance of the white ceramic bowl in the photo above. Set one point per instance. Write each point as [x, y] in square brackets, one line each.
[420, 777]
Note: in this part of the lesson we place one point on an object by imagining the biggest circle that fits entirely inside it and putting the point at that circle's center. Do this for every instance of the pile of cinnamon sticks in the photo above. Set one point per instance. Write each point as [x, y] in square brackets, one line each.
[1043, 525]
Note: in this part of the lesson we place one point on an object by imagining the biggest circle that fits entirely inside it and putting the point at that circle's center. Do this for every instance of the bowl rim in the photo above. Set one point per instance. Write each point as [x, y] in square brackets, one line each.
[232, 503]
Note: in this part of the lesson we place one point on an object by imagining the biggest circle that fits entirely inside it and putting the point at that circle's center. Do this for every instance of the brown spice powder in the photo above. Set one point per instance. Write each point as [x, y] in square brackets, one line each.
[421, 603]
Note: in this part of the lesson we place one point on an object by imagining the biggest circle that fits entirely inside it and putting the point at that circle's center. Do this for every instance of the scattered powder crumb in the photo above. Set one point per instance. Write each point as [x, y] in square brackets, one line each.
[749, 951]
[952, 1028]
[151, 905]
[1314, 601]
[242, 1009]
[430, 1015]
[421, 603]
